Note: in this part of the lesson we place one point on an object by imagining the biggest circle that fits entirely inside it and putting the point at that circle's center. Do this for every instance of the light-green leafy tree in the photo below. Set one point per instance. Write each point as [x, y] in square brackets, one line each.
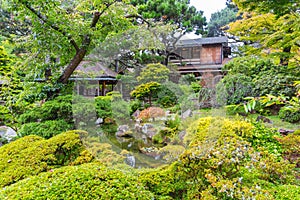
[146, 90]
[273, 26]
[68, 30]
[154, 72]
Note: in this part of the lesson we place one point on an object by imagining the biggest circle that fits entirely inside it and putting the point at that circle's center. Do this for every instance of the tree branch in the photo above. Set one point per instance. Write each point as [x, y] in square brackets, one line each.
[139, 17]
[46, 21]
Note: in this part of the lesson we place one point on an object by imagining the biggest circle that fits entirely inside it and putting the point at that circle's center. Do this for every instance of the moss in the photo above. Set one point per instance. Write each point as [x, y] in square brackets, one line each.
[32, 155]
[87, 181]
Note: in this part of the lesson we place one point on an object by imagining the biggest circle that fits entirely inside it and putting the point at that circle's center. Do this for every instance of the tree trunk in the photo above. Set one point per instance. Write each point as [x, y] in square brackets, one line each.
[73, 65]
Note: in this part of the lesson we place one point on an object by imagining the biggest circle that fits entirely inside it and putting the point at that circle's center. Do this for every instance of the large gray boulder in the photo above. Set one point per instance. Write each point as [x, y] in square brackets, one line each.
[149, 130]
[7, 134]
[124, 131]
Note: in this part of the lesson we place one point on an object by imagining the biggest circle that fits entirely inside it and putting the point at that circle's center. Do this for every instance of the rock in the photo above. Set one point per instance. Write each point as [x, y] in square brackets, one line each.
[124, 131]
[181, 135]
[99, 121]
[285, 132]
[149, 130]
[150, 151]
[186, 114]
[138, 127]
[136, 114]
[130, 160]
[7, 134]
[263, 119]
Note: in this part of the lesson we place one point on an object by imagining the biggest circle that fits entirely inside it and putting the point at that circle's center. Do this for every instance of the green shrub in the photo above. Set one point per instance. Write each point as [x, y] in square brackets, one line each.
[250, 66]
[6, 116]
[288, 114]
[87, 181]
[84, 112]
[164, 182]
[235, 109]
[32, 155]
[32, 115]
[46, 129]
[120, 111]
[265, 138]
[103, 106]
[235, 87]
[222, 164]
[291, 147]
[196, 87]
[58, 108]
[135, 105]
[287, 192]
[274, 83]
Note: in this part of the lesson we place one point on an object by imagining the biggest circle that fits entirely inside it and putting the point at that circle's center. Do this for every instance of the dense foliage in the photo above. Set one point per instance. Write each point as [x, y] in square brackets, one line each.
[271, 28]
[224, 158]
[179, 12]
[32, 155]
[255, 76]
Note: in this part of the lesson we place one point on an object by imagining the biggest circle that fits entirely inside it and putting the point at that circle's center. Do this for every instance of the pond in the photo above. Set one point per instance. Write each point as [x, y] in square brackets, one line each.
[140, 149]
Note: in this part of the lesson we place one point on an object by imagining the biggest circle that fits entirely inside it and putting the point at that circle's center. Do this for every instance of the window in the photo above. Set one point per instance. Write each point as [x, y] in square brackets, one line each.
[186, 53]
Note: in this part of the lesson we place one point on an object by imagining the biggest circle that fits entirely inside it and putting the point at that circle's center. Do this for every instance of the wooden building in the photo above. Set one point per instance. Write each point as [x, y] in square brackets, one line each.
[93, 79]
[201, 55]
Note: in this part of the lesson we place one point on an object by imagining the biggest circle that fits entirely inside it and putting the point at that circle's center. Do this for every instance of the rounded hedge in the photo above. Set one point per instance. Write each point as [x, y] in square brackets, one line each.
[87, 181]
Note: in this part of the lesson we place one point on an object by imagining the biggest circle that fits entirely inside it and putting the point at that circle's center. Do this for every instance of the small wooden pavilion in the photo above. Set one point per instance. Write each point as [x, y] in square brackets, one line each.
[93, 79]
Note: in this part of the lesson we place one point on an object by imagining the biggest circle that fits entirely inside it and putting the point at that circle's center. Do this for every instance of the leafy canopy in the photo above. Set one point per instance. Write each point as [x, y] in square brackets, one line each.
[178, 12]
[273, 26]
[63, 32]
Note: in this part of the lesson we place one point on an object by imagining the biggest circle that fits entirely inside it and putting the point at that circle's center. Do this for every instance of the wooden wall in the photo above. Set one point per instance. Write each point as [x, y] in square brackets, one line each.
[211, 54]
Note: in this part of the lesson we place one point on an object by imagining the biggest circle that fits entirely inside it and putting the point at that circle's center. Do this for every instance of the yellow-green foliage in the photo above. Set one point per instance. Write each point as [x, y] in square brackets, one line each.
[291, 147]
[154, 72]
[87, 181]
[171, 152]
[103, 152]
[212, 127]
[32, 155]
[221, 164]
[164, 182]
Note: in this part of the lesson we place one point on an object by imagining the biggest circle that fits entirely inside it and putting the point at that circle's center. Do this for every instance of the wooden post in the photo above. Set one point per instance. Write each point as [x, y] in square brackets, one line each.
[103, 88]
[98, 90]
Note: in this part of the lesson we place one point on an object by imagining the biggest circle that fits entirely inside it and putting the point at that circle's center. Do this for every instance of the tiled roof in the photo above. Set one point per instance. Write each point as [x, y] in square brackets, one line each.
[95, 69]
[202, 41]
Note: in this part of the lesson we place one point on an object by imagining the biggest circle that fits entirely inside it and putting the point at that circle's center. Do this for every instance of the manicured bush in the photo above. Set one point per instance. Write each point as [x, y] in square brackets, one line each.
[288, 114]
[164, 182]
[234, 88]
[59, 109]
[135, 105]
[274, 83]
[32, 155]
[221, 164]
[291, 147]
[286, 192]
[84, 111]
[151, 113]
[120, 111]
[87, 181]
[46, 129]
[103, 106]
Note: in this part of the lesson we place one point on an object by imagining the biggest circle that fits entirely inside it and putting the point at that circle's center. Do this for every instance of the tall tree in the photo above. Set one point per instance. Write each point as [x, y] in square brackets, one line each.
[271, 29]
[67, 30]
[220, 19]
[178, 17]
[178, 12]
